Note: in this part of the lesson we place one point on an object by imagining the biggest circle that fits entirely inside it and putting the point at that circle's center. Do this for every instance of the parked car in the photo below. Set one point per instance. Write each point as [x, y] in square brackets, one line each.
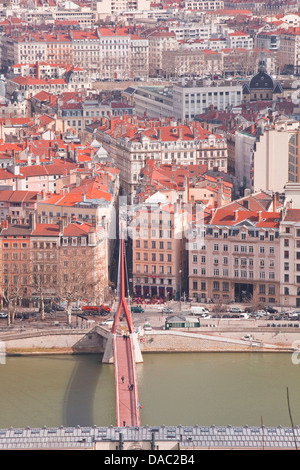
[205, 316]
[108, 322]
[271, 310]
[294, 315]
[137, 310]
[3, 315]
[167, 310]
[260, 314]
[244, 316]
[75, 309]
[249, 310]
[199, 311]
[235, 310]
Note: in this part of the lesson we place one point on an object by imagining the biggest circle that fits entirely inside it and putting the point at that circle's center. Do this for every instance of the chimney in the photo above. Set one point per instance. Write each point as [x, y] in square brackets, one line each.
[61, 225]
[32, 221]
[92, 236]
[274, 202]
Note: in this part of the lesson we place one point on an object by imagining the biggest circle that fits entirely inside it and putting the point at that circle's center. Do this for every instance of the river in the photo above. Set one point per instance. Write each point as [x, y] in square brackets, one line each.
[174, 388]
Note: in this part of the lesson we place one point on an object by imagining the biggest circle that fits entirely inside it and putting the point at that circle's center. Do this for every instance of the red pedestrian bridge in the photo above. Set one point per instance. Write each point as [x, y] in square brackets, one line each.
[126, 390]
[123, 350]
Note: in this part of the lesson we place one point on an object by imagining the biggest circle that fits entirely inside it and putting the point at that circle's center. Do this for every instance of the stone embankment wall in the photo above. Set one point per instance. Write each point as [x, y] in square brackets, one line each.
[66, 341]
[94, 341]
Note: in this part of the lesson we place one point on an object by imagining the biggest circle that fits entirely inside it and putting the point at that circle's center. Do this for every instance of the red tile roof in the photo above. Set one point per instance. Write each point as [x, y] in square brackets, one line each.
[46, 230]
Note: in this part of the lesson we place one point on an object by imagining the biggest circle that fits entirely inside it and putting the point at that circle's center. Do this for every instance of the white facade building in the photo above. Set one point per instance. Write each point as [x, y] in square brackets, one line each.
[190, 99]
[275, 159]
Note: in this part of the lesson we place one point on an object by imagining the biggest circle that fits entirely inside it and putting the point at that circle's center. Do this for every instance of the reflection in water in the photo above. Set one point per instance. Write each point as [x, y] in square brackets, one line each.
[79, 395]
[89, 396]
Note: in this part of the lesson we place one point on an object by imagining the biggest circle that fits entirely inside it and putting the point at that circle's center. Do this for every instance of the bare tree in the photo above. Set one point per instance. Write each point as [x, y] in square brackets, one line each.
[40, 284]
[76, 280]
[14, 290]
[43, 271]
[253, 304]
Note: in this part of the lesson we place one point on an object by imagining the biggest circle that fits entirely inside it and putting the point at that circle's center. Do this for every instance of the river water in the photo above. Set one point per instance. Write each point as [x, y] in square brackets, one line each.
[174, 388]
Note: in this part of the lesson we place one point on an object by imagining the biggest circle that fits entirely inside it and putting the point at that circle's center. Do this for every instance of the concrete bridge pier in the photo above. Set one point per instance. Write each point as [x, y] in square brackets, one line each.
[108, 356]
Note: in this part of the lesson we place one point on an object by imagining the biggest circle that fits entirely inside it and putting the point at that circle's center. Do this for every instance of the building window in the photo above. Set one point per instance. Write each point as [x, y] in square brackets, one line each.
[216, 285]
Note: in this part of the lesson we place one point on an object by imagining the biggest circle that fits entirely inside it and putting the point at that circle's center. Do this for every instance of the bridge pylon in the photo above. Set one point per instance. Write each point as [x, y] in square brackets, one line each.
[108, 356]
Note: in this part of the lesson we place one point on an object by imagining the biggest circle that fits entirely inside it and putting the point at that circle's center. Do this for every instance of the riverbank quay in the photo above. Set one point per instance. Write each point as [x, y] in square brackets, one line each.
[179, 439]
[209, 338]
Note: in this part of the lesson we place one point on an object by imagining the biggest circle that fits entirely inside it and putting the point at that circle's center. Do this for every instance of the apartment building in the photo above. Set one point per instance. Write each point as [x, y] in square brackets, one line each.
[139, 54]
[39, 261]
[263, 7]
[204, 5]
[105, 53]
[17, 205]
[238, 39]
[158, 257]
[82, 15]
[290, 47]
[159, 41]
[84, 269]
[131, 144]
[33, 47]
[111, 8]
[192, 30]
[277, 147]
[190, 184]
[235, 253]
[269, 40]
[290, 257]
[43, 264]
[15, 270]
[183, 62]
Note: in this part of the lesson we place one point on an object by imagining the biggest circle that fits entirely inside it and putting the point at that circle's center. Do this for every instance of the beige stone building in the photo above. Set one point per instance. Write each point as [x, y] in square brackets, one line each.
[160, 42]
[290, 258]
[159, 264]
[234, 255]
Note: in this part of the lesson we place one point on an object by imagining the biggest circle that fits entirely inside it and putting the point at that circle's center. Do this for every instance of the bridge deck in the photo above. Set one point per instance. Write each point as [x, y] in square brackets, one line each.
[127, 410]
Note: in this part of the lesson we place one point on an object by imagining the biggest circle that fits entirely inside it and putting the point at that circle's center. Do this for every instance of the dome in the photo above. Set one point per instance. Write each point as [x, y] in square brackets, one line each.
[16, 97]
[262, 80]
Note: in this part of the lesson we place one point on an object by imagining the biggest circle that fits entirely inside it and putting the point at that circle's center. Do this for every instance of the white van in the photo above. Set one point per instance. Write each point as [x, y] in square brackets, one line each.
[199, 311]
[244, 316]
